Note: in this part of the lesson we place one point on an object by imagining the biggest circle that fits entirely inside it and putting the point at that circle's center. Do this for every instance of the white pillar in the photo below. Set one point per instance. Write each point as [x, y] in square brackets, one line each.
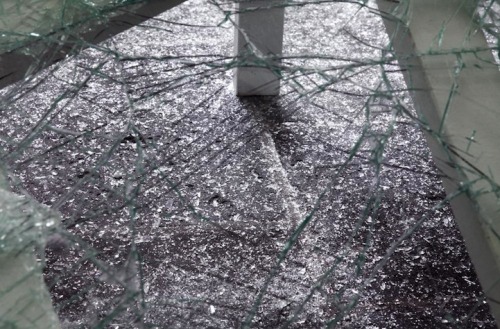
[25, 302]
[258, 45]
[459, 98]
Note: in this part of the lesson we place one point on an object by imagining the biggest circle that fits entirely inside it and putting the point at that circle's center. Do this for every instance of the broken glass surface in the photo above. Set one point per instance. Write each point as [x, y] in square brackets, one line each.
[185, 206]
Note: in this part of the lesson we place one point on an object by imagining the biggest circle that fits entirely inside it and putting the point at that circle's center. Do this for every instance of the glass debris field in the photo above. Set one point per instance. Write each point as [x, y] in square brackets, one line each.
[142, 193]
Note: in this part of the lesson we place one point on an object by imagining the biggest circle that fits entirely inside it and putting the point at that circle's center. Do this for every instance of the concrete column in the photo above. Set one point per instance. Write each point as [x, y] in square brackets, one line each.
[25, 302]
[457, 93]
[258, 46]
[42, 17]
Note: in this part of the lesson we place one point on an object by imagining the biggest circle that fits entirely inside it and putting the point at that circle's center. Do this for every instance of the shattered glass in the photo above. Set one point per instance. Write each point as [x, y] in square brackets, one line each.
[137, 191]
